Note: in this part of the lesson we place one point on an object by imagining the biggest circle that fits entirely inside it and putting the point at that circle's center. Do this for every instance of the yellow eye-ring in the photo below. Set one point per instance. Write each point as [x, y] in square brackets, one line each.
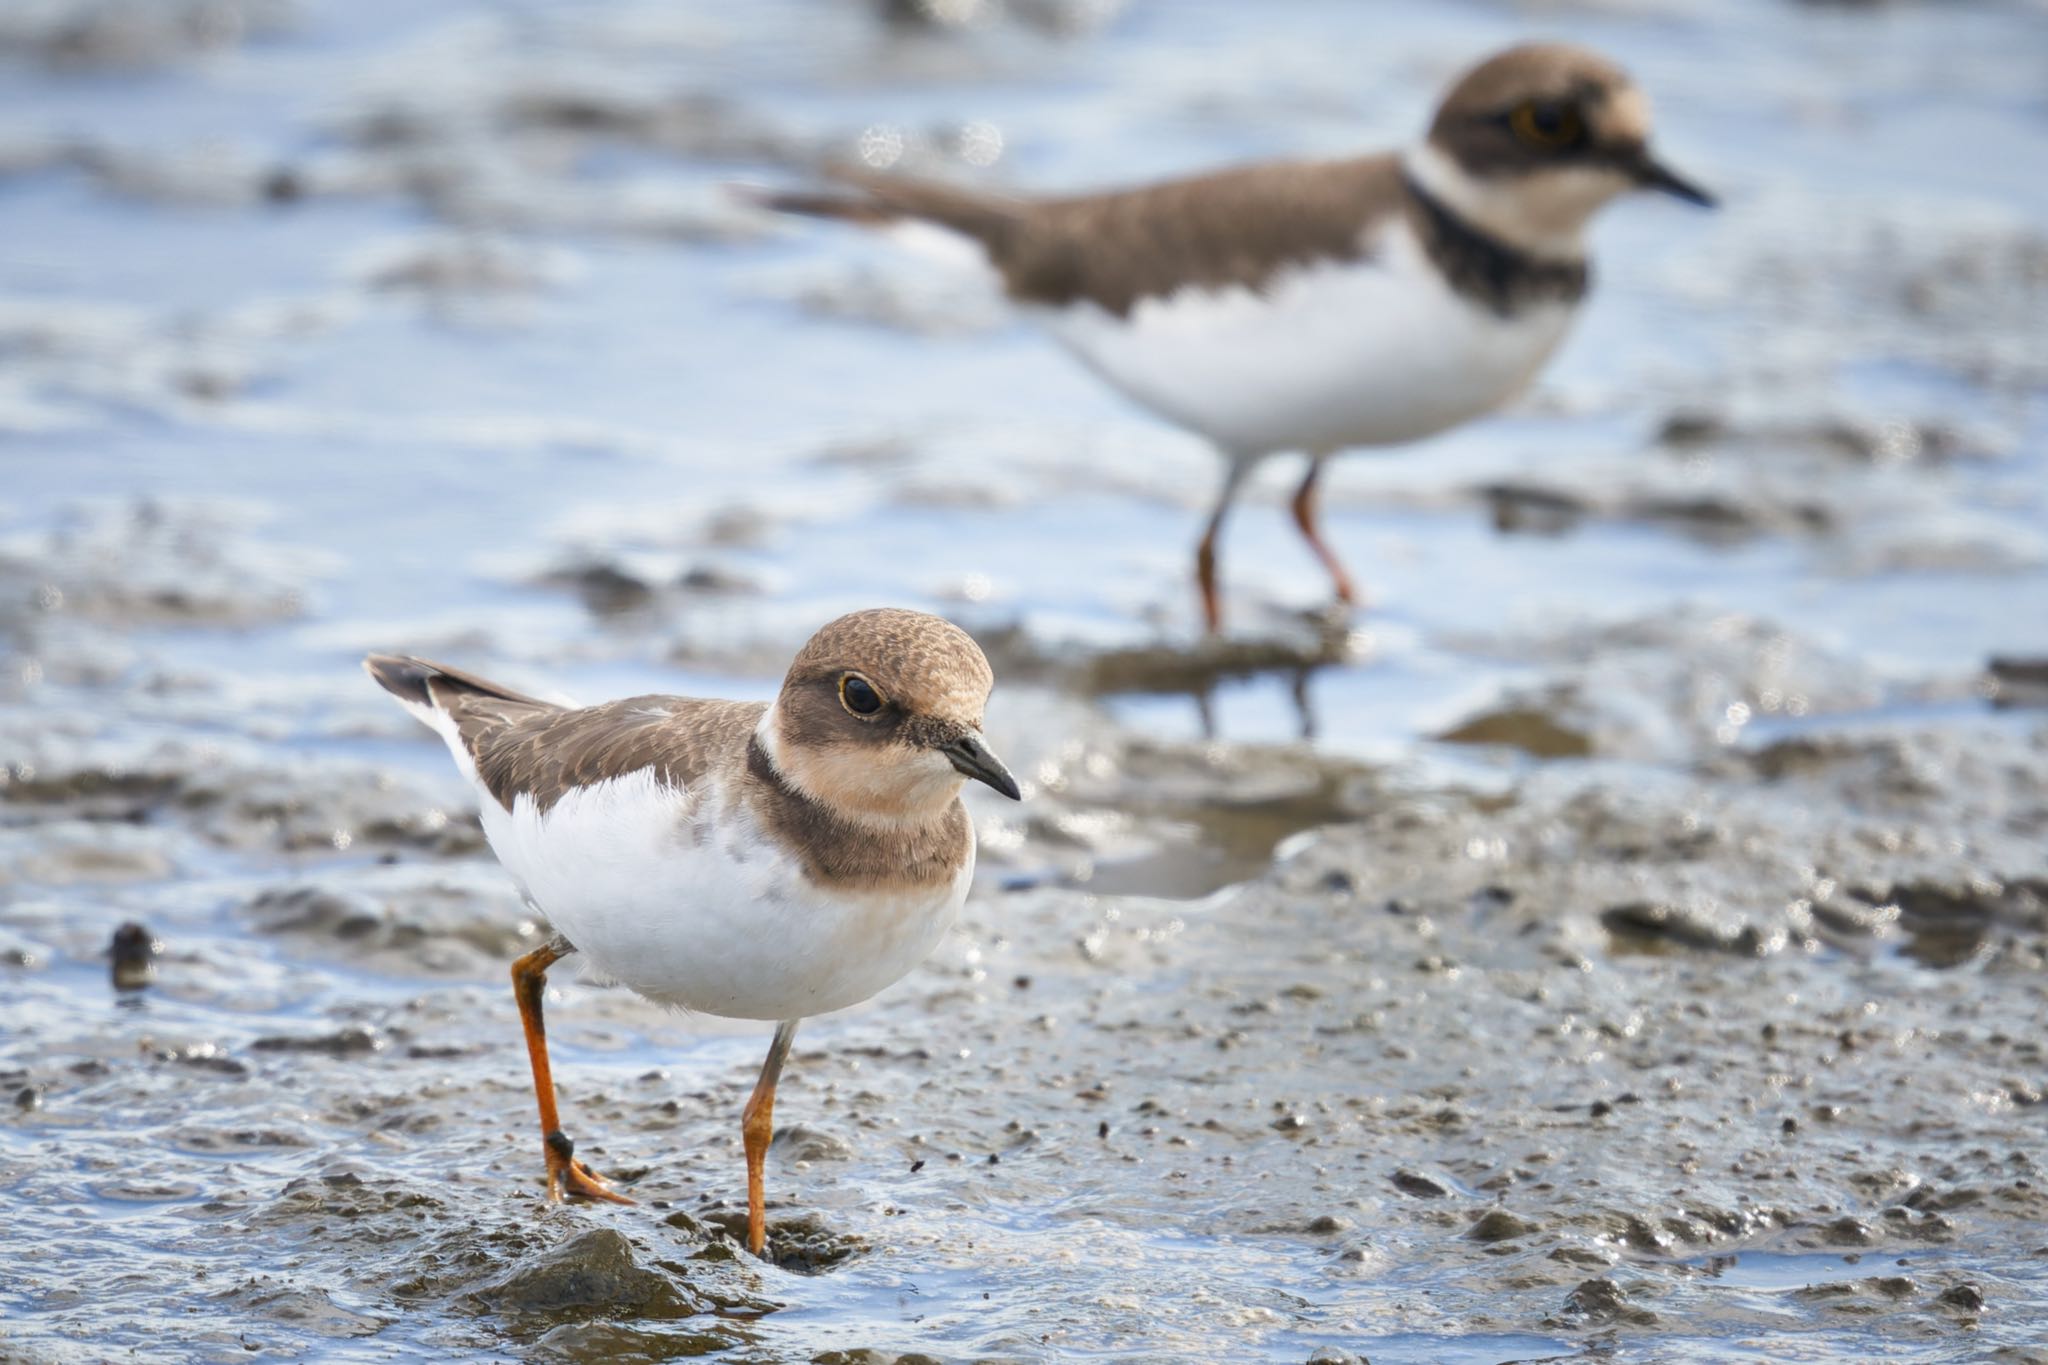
[858, 695]
[1545, 125]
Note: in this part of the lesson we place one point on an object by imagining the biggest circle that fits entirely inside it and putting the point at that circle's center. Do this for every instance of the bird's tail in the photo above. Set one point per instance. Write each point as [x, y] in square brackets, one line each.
[875, 200]
[847, 208]
[420, 682]
[460, 707]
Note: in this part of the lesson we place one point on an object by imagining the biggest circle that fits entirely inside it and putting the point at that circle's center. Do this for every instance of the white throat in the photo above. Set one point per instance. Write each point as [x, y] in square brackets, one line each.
[768, 734]
[1544, 213]
[854, 788]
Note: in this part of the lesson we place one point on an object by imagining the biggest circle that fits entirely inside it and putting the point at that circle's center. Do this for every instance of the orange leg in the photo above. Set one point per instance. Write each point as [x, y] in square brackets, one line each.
[1305, 518]
[757, 1129]
[566, 1175]
[1205, 552]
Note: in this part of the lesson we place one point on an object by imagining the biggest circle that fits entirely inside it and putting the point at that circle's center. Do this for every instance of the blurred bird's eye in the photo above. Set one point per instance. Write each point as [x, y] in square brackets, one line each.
[1547, 126]
[858, 695]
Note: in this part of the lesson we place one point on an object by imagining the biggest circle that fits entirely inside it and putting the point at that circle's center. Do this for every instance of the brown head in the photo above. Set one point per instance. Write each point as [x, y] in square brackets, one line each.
[879, 718]
[1532, 141]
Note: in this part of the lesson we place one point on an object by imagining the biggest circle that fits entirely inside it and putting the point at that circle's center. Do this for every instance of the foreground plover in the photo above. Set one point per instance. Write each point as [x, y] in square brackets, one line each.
[750, 860]
[1314, 306]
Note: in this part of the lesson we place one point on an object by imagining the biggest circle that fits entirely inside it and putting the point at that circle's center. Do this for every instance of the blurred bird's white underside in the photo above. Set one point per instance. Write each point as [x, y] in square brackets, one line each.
[1374, 351]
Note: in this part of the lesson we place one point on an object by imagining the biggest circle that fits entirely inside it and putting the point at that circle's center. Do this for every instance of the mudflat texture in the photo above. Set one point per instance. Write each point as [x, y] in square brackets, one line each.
[1624, 942]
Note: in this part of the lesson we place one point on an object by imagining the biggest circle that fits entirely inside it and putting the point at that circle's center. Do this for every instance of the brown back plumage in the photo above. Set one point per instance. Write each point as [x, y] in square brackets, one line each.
[544, 756]
[523, 745]
[1239, 226]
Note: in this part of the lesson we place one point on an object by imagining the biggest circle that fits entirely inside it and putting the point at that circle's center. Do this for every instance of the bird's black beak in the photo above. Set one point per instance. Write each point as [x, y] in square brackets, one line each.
[1653, 174]
[971, 757]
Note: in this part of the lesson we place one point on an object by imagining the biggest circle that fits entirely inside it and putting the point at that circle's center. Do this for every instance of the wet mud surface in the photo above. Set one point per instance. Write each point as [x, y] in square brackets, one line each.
[1627, 940]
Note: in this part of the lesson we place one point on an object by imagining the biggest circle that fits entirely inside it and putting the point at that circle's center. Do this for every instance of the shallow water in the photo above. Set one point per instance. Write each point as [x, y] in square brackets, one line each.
[326, 328]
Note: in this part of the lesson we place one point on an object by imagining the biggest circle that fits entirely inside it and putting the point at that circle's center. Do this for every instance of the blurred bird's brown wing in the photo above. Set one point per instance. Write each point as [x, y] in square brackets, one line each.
[1232, 227]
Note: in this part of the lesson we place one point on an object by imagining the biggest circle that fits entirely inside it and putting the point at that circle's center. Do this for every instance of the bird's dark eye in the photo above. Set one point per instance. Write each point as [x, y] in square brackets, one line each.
[1546, 125]
[858, 695]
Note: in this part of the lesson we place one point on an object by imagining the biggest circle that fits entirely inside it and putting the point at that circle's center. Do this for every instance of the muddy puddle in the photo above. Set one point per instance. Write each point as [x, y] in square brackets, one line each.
[1624, 941]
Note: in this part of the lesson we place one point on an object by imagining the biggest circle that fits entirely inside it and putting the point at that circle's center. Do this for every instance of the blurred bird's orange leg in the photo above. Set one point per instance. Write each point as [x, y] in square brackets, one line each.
[1305, 518]
[566, 1175]
[1205, 552]
[757, 1129]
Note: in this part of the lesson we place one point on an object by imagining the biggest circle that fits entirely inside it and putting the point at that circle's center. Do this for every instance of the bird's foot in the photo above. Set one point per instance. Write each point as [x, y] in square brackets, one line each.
[1348, 594]
[1342, 610]
[570, 1178]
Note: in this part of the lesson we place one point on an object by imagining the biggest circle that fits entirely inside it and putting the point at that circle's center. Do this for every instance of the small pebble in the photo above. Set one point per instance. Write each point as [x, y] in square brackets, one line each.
[1498, 1225]
[133, 954]
[1419, 1185]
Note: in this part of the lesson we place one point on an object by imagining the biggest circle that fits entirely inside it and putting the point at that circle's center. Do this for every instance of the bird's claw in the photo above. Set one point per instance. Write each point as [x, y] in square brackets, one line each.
[572, 1179]
[578, 1181]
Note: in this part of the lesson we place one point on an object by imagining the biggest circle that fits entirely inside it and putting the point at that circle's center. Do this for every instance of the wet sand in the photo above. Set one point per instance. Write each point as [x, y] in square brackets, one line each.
[1640, 959]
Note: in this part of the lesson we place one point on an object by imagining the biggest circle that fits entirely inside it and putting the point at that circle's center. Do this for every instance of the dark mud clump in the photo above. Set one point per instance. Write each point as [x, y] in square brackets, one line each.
[2019, 682]
[231, 796]
[131, 957]
[611, 590]
[1125, 815]
[153, 562]
[406, 919]
[1533, 730]
[802, 1244]
[1948, 924]
[592, 1270]
[1651, 925]
[1675, 686]
[1305, 644]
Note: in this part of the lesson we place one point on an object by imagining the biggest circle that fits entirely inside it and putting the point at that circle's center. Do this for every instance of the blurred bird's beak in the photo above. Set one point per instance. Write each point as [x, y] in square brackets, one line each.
[969, 756]
[1653, 174]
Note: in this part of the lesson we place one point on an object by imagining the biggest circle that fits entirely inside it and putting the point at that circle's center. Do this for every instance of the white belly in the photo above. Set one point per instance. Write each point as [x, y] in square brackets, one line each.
[1369, 352]
[689, 905]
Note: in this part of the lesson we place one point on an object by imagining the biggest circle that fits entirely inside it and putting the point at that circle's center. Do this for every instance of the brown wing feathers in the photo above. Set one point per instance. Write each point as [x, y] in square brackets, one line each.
[680, 739]
[1239, 226]
[522, 745]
